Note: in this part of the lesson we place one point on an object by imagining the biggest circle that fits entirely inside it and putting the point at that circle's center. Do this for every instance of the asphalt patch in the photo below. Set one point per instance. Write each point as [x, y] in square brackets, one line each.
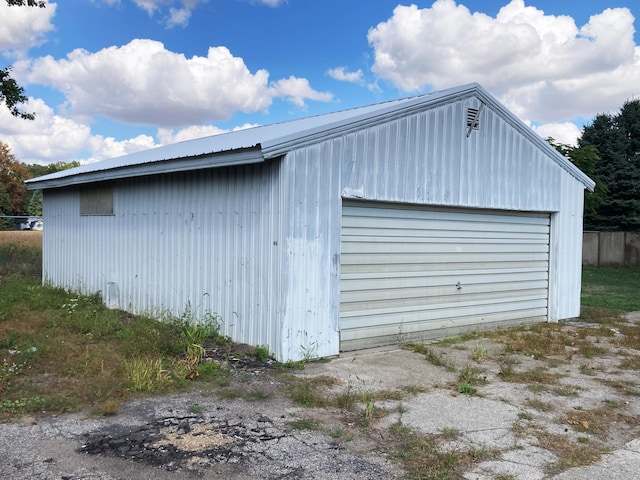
[175, 442]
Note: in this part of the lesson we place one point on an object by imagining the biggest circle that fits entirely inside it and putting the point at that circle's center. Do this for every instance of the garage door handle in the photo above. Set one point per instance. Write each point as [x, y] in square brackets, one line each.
[458, 286]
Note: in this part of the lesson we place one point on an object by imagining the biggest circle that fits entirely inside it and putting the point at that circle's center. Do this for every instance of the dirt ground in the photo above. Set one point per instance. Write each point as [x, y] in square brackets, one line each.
[529, 416]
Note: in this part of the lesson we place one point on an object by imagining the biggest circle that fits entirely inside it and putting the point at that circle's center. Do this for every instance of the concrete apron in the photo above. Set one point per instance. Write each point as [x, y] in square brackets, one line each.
[480, 423]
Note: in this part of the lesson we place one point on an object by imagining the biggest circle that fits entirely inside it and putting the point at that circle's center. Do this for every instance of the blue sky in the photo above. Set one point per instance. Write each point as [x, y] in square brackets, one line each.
[111, 77]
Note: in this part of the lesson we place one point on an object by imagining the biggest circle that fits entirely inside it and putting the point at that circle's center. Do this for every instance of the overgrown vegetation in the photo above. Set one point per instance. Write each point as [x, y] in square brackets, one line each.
[21, 253]
[62, 351]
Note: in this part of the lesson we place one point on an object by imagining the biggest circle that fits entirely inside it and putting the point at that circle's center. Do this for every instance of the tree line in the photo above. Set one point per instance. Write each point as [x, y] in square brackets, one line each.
[608, 151]
[15, 199]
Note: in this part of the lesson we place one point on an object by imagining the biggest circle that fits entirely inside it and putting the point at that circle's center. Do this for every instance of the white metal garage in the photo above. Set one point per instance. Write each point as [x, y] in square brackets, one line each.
[408, 218]
[413, 272]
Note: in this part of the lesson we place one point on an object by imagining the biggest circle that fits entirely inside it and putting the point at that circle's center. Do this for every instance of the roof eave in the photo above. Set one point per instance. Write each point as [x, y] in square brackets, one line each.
[182, 164]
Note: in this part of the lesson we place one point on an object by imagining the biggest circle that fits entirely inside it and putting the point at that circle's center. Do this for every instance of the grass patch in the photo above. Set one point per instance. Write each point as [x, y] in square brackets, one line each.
[537, 375]
[465, 337]
[538, 341]
[479, 353]
[303, 424]
[309, 392]
[72, 352]
[631, 362]
[631, 338]
[566, 391]
[625, 387]
[611, 288]
[422, 458]
[539, 405]
[21, 253]
[604, 316]
[429, 355]
[592, 421]
[569, 453]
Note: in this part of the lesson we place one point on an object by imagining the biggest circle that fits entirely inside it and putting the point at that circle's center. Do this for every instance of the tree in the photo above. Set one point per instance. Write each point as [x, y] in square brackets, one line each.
[12, 176]
[585, 158]
[33, 198]
[28, 3]
[35, 204]
[36, 170]
[617, 138]
[5, 209]
[11, 93]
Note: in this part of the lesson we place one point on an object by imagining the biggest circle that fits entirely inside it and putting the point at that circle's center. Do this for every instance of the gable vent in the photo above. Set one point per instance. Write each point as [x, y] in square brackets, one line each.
[473, 120]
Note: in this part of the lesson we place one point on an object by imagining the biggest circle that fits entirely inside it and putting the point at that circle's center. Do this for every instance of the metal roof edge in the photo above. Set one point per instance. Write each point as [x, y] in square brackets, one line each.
[182, 164]
[524, 129]
[396, 109]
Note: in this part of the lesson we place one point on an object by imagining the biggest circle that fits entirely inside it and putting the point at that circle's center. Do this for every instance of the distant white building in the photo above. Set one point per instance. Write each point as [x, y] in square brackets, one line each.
[410, 219]
[32, 223]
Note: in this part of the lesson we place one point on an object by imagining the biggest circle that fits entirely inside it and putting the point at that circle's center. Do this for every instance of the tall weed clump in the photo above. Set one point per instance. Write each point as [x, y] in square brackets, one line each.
[20, 259]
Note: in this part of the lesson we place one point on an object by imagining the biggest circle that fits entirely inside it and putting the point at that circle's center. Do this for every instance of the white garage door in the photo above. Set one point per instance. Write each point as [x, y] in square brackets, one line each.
[413, 273]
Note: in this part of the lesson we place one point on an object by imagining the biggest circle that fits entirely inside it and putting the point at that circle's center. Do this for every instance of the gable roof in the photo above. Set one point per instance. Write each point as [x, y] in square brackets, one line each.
[258, 144]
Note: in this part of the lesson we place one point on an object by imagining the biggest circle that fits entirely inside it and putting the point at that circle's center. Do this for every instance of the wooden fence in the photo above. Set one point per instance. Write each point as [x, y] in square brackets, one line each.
[611, 249]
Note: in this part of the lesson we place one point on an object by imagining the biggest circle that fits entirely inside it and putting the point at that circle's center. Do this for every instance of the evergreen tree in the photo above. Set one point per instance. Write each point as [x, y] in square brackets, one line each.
[585, 158]
[617, 138]
[35, 204]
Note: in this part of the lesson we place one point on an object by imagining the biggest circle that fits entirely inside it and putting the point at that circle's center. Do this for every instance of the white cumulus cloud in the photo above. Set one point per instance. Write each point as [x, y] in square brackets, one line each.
[566, 133]
[53, 138]
[542, 66]
[297, 90]
[168, 136]
[343, 75]
[108, 147]
[48, 138]
[23, 28]
[144, 83]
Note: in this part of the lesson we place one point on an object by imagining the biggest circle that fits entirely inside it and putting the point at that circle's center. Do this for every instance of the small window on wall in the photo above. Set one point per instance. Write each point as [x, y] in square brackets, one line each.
[96, 200]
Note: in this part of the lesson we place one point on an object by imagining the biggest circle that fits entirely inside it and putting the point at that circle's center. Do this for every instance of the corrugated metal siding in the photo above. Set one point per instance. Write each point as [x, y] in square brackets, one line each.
[566, 248]
[417, 272]
[311, 213]
[210, 240]
[428, 159]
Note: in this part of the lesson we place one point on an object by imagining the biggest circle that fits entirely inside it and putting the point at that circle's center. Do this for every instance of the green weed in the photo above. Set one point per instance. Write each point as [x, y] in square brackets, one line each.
[262, 353]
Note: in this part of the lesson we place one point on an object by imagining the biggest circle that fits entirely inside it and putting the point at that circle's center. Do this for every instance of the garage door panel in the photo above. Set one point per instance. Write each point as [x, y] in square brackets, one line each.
[465, 223]
[424, 236]
[435, 269]
[358, 214]
[430, 258]
[408, 248]
[363, 281]
[402, 267]
[418, 295]
[444, 311]
[390, 333]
